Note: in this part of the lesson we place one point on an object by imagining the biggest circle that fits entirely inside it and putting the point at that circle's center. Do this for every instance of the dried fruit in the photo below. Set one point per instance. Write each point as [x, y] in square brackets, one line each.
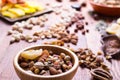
[44, 55]
[31, 54]
[113, 29]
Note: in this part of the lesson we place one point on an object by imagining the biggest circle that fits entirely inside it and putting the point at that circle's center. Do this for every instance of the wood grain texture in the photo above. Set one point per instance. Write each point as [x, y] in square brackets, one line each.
[91, 40]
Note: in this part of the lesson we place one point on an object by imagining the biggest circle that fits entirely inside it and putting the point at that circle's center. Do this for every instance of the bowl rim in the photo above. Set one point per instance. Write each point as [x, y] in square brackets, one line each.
[97, 4]
[75, 66]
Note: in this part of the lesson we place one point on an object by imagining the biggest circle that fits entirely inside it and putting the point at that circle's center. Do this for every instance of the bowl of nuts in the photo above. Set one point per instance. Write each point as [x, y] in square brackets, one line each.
[106, 7]
[45, 62]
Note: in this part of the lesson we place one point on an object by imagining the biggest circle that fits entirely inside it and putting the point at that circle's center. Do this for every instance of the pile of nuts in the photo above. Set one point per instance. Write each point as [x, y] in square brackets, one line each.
[87, 59]
[18, 29]
[98, 69]
[65, 37]
[45, 62]
[59, 30]
[78, 19]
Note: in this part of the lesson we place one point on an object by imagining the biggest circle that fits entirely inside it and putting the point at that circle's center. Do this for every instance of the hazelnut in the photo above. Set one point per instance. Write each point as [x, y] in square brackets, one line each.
[64, 66]
[99, 59]
[36, 71]
[53, 71]
[73, 41]
[31, 64]
[62, 55]
[67, 58]
[108, 57]
[24, 64]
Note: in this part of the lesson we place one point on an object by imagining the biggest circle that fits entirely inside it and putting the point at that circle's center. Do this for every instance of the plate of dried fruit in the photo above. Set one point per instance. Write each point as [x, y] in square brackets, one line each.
[15, 12]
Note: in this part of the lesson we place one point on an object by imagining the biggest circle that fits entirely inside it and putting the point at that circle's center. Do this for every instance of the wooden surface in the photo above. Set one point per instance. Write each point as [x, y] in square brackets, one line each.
[91, 40]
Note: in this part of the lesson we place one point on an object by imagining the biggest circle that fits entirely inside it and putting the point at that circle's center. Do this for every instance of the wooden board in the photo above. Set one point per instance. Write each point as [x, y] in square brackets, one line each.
[91, 40]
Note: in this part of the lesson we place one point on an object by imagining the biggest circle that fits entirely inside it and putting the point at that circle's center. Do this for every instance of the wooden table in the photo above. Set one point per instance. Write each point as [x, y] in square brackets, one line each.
[91, 40]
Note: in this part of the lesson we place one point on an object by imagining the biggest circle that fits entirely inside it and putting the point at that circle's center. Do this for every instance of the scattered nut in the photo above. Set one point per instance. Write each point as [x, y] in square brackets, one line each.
[36, 71]
[10, 32]
[58, 30]
[108, 57]
[24, 64]
[53, 71]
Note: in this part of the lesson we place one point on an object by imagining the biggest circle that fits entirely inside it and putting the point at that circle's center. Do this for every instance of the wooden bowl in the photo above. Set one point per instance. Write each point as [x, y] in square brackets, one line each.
[105, 10]
[24, 75]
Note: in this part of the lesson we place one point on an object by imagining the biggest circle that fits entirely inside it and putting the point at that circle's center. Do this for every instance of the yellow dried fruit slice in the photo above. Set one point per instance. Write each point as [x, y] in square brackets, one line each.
[113, 28]
[6, 7]
[34, 5]
[25, 8]
[40, 8]
[32, 10]
[17, 11]
[9, 14]
[31, 54]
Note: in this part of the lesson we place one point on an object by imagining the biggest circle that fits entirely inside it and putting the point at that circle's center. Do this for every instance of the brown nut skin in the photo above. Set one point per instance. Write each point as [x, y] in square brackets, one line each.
[99, 59]
[24, 64]
[73, 41]
[67, 58]
[53, 71]
[64, 67]
[31, 64]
